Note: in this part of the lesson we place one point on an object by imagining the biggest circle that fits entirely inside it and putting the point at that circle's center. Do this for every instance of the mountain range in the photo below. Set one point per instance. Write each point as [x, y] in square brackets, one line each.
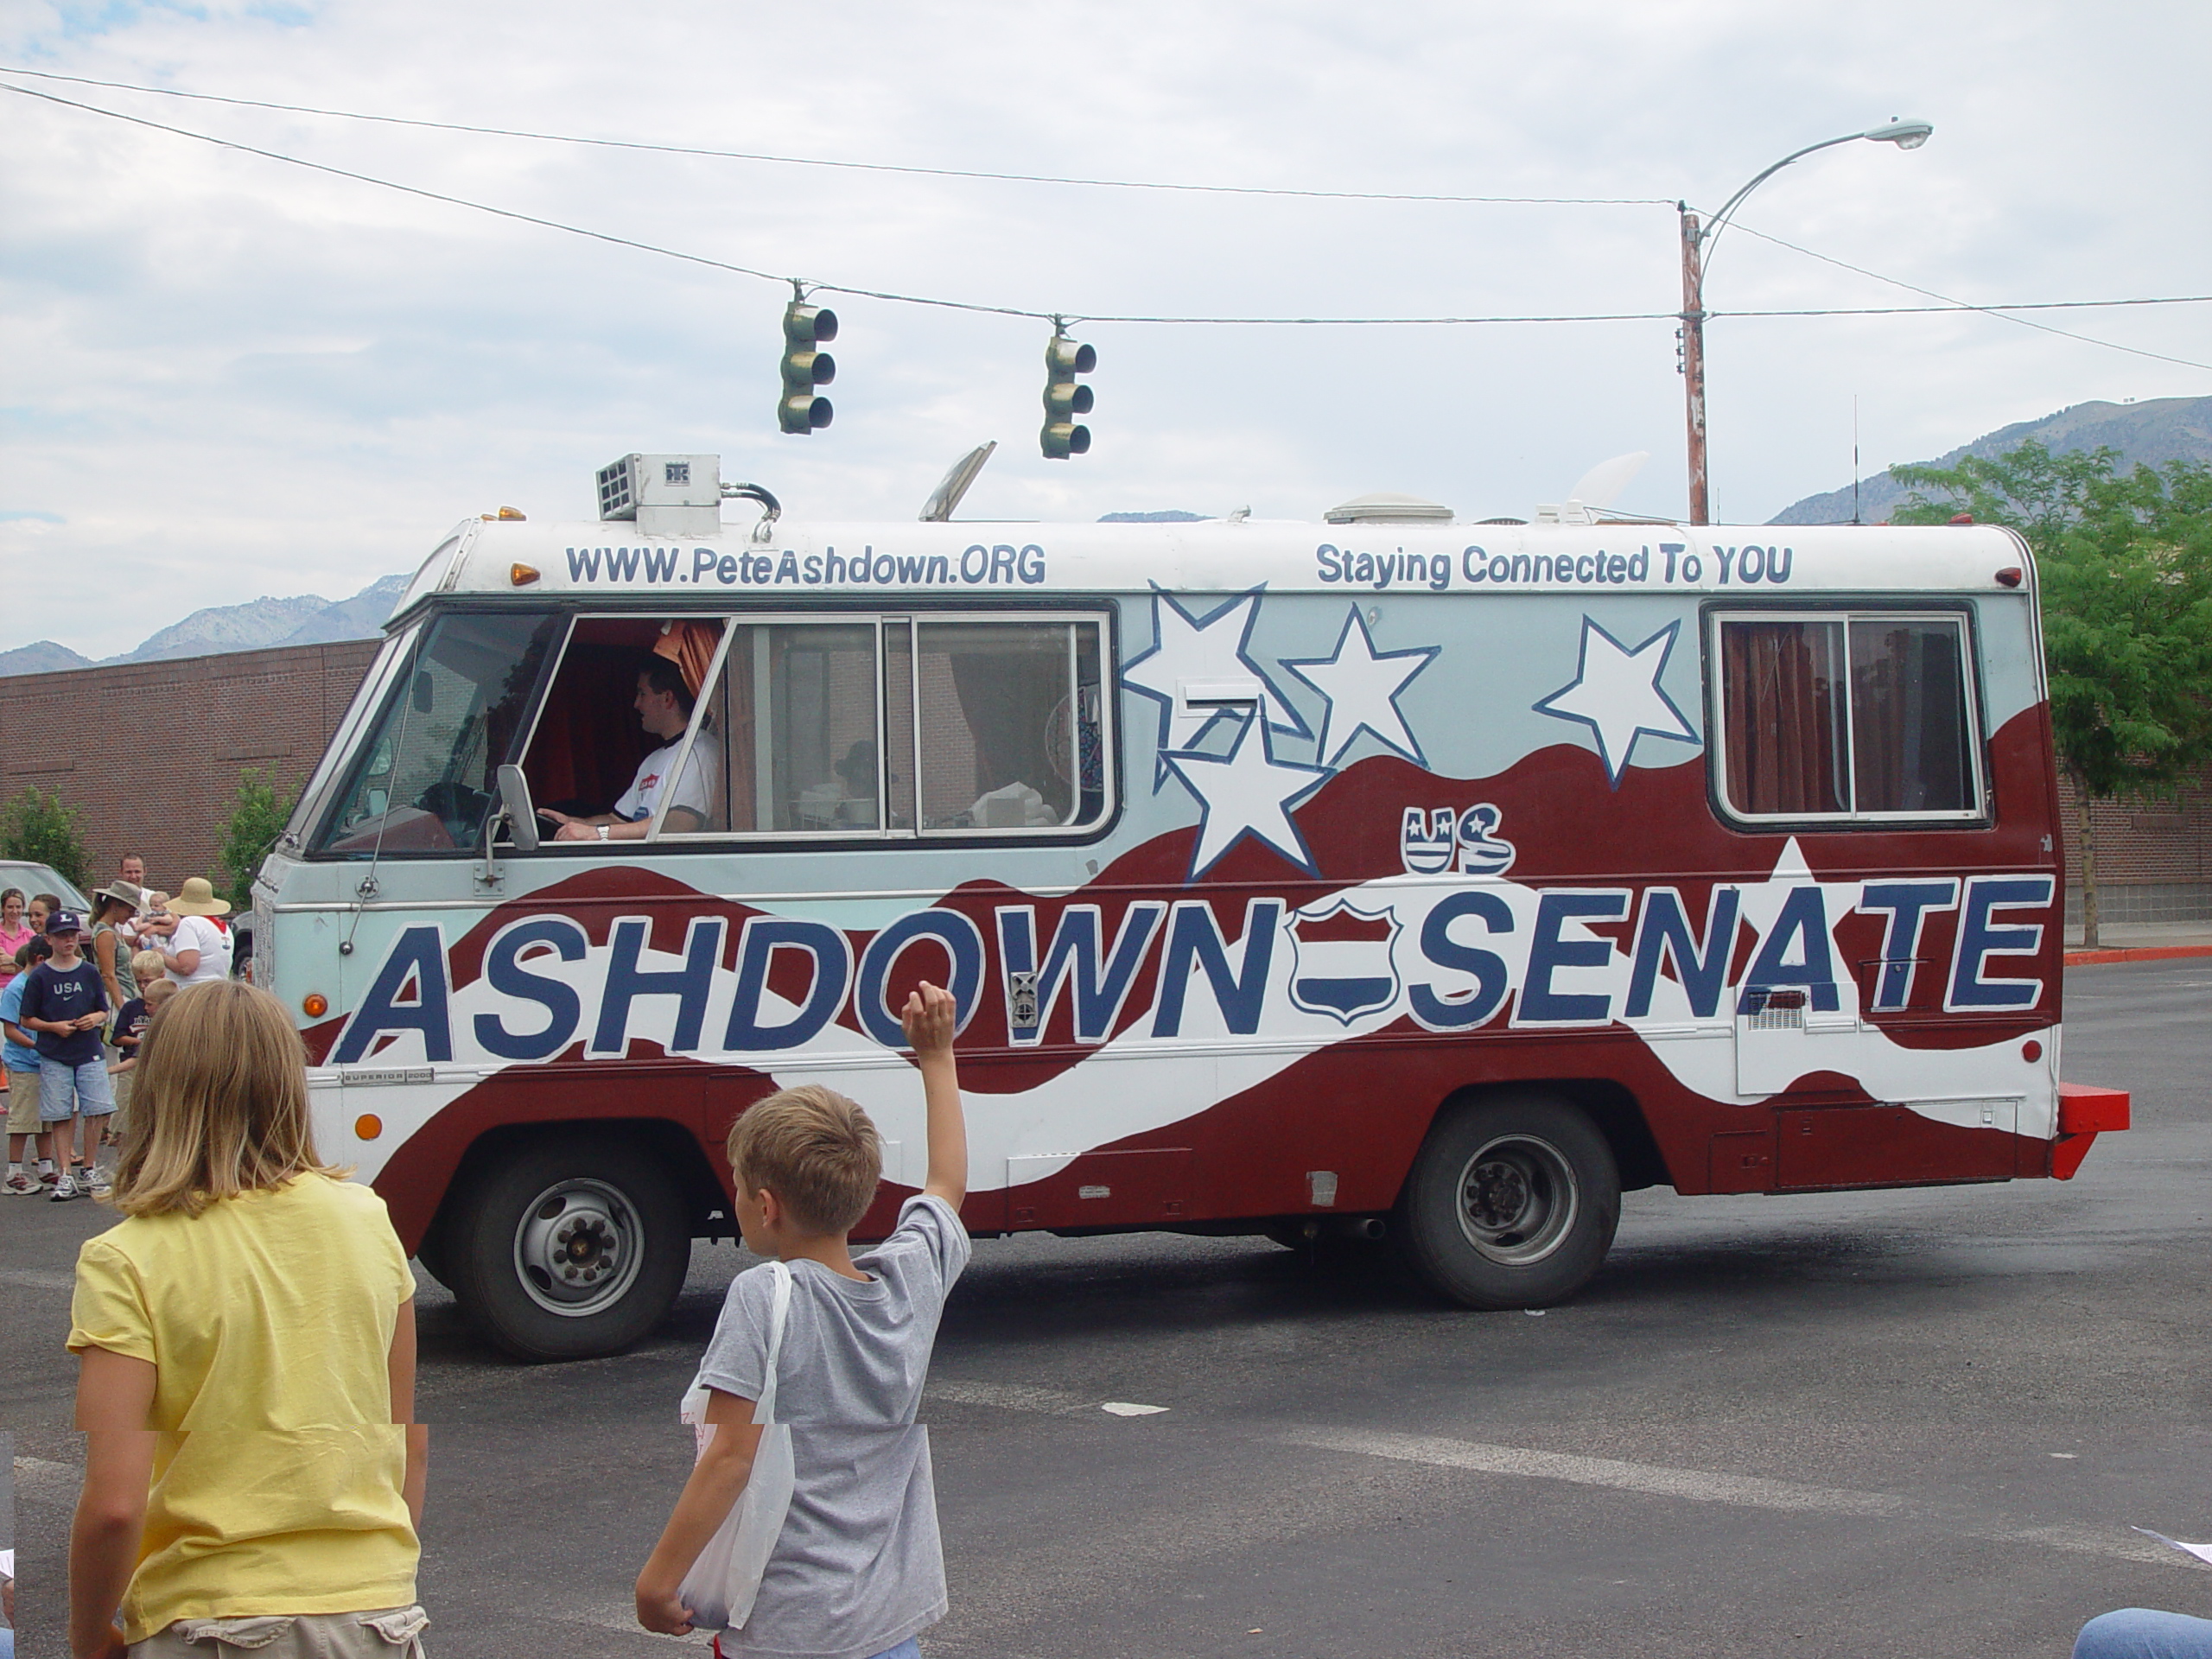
[307, 619]
[2154, 432]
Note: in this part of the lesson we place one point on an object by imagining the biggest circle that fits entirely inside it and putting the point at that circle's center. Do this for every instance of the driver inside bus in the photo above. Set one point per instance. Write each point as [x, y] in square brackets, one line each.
[664, 705]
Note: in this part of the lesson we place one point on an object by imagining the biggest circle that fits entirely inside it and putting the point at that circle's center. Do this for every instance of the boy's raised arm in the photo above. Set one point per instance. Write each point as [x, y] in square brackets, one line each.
[928, 1017]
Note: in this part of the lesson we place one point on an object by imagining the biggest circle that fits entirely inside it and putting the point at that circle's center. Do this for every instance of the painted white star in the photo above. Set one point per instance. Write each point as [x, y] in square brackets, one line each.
[1362, 689]
[1617, 694]
[1207, 651]
[1247, 792]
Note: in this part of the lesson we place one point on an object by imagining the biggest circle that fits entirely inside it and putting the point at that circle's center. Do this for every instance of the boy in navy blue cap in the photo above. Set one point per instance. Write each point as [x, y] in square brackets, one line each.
[65, 1005]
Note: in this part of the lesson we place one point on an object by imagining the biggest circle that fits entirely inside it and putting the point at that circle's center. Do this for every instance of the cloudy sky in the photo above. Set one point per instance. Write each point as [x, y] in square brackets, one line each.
[227, 377]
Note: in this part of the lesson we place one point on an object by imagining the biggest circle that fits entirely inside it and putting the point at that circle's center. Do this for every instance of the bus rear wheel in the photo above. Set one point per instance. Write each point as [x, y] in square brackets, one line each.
[1512, 1202]
[569, 1247]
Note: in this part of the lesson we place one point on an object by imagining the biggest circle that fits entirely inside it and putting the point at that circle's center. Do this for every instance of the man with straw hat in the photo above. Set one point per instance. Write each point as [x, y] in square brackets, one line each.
[195, 945]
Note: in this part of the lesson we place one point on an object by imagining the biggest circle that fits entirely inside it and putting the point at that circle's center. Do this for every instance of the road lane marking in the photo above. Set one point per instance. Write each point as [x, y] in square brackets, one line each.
[1010, 1397]
[1750, 1490]
[1130, 1408]
[38, 1278]
[42, 1477]
[1700, 1485]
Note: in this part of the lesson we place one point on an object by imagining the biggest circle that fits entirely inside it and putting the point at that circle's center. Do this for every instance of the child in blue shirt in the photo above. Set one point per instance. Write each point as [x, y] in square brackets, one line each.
[65, 1002]
[21, 1060]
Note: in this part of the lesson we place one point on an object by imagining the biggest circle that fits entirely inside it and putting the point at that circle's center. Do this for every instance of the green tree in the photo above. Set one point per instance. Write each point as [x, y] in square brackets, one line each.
[257, 817]
[2124, 563]
[43, 828]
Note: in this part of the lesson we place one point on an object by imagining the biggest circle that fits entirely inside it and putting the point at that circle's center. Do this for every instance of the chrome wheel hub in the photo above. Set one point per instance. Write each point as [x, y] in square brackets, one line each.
[577, 1248]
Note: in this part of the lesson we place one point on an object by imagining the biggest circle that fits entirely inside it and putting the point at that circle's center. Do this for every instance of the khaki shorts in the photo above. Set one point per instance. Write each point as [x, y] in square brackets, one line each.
[23, 1103]
[394, 1633]
[121, 1084]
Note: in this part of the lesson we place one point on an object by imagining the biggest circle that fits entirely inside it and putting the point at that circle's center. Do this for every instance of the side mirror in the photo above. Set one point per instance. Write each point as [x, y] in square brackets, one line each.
[522, 818]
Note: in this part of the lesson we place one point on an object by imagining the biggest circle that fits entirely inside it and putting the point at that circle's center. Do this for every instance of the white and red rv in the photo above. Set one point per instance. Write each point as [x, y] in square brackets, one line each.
[1295, 879]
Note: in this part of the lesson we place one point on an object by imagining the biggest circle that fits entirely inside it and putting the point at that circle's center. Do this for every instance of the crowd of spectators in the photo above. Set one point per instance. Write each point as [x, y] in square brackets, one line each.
[77, 993]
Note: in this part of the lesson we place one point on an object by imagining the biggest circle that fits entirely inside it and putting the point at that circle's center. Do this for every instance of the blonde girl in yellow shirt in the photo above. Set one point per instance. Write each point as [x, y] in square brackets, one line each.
[253, 1473]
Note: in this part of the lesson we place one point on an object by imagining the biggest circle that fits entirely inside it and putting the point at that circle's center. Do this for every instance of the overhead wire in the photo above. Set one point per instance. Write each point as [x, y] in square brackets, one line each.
[1949, 303]
[1945, 303]
[847, 166]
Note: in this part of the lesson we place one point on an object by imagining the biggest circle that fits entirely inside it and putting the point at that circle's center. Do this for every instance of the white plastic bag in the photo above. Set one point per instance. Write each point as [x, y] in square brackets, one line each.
[722, 1584]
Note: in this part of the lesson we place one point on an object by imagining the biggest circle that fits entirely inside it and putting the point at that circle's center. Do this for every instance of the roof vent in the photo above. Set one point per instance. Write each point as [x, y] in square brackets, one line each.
[1383, 507]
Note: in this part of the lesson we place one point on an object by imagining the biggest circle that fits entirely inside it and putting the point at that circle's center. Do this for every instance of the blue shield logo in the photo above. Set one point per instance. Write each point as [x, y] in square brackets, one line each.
[1341, 959]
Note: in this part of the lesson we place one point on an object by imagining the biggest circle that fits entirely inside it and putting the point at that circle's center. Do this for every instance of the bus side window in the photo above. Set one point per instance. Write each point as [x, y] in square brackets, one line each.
[1861, 716]
[1008, 724]
[795, 730]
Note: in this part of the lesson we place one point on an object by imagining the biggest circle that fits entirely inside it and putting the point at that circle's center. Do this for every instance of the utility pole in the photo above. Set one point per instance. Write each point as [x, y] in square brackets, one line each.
[1692, 366]
[1697, 253]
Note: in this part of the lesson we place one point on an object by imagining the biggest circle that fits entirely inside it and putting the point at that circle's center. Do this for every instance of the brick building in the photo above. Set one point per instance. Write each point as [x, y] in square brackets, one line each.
[152, 752]
[2154, 858]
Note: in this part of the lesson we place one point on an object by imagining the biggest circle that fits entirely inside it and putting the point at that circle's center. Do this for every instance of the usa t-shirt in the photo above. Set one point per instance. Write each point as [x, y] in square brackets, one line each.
[51, 993]
[642, 799]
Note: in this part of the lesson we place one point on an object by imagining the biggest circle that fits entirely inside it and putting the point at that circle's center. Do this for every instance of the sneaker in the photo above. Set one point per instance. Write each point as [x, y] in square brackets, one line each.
[96, 1182]
[49, 1176]
[19, 1186]
[64, 1188]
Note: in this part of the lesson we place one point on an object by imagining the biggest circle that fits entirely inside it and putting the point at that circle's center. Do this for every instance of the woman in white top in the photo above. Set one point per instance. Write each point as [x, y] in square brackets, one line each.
[196, 947]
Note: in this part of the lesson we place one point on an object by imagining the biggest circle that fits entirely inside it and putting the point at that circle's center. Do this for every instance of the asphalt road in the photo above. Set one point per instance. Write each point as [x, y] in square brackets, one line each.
[1917, 1423]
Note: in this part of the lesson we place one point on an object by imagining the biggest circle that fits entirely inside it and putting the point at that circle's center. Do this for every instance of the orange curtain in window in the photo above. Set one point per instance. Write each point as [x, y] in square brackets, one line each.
[691, 646]
[1782, 690]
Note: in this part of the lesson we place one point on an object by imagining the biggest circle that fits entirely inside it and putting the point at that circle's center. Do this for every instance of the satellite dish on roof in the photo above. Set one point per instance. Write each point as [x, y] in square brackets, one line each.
[943, 499]
[1386, 507]
[1602, 485]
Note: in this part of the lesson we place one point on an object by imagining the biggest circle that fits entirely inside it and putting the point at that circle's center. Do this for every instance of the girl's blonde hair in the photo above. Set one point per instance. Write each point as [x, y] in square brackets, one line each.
[147, 966]
[220, 1106]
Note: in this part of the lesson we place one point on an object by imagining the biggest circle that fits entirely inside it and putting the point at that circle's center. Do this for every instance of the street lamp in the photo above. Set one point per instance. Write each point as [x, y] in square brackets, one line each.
[1697, 240]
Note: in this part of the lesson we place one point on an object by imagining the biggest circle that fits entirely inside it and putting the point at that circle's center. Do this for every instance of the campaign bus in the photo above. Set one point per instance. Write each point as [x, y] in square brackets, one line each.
[1391, 878]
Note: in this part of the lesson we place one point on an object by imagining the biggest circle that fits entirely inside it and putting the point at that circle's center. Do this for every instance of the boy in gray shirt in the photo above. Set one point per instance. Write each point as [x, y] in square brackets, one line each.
[858, 1568]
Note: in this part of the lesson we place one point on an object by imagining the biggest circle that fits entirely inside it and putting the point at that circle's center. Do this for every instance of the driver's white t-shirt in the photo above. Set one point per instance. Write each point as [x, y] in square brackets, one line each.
[642, 799]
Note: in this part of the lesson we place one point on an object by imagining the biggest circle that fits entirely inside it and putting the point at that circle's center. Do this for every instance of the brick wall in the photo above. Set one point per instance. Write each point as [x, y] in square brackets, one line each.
[151, 752]
[2154, 858]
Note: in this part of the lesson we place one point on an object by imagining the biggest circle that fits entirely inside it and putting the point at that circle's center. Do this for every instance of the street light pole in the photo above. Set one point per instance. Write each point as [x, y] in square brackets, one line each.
[1692, 366]
[1697, 242]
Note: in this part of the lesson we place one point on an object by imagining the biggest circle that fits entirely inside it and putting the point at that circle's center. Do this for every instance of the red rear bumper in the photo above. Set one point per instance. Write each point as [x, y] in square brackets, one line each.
[2085, 1111]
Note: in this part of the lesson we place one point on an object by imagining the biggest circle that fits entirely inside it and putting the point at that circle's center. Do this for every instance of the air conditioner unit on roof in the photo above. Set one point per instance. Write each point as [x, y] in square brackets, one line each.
[667, 495]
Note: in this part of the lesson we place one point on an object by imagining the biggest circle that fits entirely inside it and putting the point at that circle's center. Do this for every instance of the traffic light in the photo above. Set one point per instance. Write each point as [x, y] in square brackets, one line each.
[1065, 399]
[804, 368]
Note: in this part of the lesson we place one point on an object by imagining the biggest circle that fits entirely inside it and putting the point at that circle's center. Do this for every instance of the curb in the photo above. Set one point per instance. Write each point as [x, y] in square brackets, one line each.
[2136, 953]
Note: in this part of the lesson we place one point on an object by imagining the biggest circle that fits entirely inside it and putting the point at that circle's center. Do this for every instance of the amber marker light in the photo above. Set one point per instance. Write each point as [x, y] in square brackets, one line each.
[368, 1125]
[522, 575]
[314, 1005]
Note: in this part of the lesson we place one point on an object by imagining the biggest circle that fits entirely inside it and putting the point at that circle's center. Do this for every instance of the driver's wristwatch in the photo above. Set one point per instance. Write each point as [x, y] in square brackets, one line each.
[602, 832]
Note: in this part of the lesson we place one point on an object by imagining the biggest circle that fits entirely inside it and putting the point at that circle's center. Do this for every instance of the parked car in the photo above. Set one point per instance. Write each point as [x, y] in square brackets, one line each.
[42, 878]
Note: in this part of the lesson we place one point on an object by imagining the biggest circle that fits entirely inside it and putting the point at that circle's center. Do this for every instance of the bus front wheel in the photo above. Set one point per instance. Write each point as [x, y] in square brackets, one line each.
[568, 1247]
[1512, 1202]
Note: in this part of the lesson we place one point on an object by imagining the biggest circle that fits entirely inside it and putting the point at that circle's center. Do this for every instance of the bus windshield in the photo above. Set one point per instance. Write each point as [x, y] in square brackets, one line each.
[424, 774]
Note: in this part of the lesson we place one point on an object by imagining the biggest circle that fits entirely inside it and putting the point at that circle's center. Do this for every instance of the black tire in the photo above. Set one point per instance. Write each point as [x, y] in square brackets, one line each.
[431, 1253]
[570, 1246]
[1512, 1202]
